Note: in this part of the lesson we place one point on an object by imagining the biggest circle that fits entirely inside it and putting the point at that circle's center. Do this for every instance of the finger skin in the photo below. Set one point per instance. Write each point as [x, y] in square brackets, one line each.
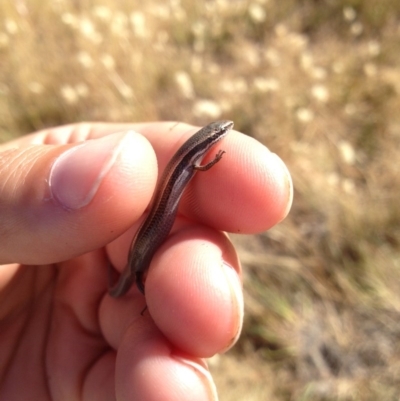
[248, 191]
[193, 293]
[149, 369]
[35, 228]
[195, 280]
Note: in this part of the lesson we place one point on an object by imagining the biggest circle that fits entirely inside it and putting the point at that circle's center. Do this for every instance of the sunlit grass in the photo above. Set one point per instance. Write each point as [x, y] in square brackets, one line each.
[319, 84]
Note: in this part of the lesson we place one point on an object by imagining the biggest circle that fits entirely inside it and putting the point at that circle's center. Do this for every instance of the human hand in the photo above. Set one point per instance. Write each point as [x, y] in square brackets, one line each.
[65, 208]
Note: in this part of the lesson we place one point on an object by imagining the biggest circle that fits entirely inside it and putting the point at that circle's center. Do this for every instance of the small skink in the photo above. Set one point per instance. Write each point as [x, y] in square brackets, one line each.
[158, 223]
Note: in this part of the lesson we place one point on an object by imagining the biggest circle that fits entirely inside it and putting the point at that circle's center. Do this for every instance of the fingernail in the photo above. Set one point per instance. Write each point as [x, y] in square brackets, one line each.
[204, 375]
[286, 179]
[237, 302]
[77, 174]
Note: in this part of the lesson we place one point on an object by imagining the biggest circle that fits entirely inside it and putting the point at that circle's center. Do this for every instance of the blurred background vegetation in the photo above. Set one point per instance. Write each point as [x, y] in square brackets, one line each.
[317, 81]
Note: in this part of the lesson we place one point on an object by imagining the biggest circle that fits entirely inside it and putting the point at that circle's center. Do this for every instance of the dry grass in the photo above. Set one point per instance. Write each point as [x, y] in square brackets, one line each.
[319, 83]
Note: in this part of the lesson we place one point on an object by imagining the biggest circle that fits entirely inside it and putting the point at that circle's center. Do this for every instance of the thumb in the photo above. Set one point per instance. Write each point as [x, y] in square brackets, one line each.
[60, 201]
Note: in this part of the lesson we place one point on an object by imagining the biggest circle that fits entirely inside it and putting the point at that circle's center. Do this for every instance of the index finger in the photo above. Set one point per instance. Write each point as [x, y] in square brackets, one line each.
[249, 190]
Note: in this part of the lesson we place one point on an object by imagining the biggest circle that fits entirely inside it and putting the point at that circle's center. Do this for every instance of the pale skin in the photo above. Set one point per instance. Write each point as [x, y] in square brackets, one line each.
[65, 214]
